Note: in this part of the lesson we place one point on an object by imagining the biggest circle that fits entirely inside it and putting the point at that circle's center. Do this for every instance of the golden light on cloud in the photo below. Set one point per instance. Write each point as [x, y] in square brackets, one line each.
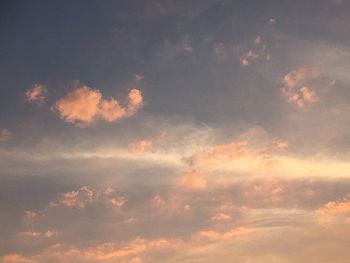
[175, 131]
[83, 106]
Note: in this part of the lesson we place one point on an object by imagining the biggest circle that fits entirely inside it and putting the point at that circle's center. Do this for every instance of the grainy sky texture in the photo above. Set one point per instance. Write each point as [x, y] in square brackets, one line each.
[166, 131]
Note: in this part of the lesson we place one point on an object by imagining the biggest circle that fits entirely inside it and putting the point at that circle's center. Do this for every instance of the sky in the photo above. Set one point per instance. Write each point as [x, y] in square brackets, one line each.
[152, 131]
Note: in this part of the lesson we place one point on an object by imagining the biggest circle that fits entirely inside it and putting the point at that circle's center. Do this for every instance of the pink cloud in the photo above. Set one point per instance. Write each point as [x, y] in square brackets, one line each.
[36, 94]
[84, 105]
[296, 86]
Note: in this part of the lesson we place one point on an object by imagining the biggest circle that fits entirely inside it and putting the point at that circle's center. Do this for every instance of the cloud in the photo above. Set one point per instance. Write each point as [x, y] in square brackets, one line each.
[213, 235]
[110, 110]
[257, 51]
[296, 86]
[132, 251]
[5, 135]
[221, 217]
[79, 106]
[36, 234]
[15, 258]
[85, 195]
[146, 145]
[335, 212]
[192, 180]
[84, 105]
[36, 94]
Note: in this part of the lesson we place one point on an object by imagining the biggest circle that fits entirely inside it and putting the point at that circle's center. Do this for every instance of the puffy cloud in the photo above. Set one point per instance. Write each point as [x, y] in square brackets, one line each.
[83, 105]
[5, 135]
[135, 101]
[36, 94]
[296, 86]
[79, 106]
[110, 110]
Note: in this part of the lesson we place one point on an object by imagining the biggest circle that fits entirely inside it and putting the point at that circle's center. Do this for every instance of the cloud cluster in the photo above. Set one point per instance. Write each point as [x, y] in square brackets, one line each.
[296, 86]
[84, 196]
[258, 51]
[37, 94]
[83, 105]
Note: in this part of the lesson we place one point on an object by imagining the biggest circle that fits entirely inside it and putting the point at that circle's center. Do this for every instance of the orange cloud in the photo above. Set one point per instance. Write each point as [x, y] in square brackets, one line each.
[15, 258]
[192, 180]
[36, 94]
[221, 217]
[79, 105]
[85, 196]
[295, 86]
[335, 207]
[334, 212]
[258, 51]
[110, 110]
[84, 105]
[135, 101]
[132, 251]
[212, 235]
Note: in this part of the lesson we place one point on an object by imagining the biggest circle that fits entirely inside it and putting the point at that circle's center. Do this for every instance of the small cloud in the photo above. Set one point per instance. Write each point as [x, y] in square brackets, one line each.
[118, 202]
[188, 49]
[146, 145]
[138, 77]
[257, 40]
[85, 196]
[5, 135]
[256, 52]
[272, 20]
[30, 215]
[35, 234]
[84, 105]
[36, 94]
[79, 198]
[221, 217]
[296, 86]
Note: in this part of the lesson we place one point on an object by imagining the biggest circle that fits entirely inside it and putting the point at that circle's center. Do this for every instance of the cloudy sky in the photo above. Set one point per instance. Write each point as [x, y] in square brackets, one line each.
[151, 131]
